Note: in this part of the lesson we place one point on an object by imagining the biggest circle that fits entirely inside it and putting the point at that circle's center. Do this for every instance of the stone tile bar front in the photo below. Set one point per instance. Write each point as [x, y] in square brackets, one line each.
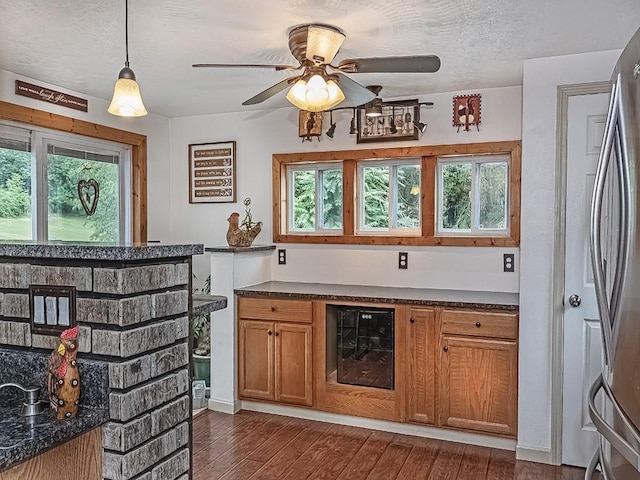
[133, 305]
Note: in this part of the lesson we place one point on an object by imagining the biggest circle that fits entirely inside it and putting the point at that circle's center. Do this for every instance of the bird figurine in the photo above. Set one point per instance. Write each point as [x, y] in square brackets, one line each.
[64, 380]
[241, 237]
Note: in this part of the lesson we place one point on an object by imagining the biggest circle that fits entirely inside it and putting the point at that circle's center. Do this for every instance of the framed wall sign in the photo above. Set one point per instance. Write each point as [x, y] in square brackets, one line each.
[395, 123]
[212, 172]
[466, 111]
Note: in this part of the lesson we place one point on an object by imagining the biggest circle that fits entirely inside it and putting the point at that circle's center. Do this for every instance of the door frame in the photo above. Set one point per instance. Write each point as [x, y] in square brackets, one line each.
[559, 253]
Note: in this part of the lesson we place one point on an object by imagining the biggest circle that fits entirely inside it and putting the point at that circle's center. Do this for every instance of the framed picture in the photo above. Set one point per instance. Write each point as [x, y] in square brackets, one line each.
[212, 172]
[395, 123]
[466, 111]
[309, 124]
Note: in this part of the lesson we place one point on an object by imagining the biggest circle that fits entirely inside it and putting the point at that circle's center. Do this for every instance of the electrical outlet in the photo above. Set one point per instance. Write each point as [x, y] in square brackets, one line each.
[403, 260]
[282, 257]
[508, 262]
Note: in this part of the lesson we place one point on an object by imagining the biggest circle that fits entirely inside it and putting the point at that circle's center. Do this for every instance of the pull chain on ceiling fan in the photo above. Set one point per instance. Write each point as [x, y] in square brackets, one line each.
[315, 46]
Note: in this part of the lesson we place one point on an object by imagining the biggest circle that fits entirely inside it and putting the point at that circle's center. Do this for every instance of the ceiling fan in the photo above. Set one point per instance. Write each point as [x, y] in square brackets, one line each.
[315, 46]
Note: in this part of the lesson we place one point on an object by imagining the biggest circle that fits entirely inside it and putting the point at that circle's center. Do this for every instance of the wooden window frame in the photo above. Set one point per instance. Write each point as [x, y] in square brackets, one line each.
[429, 156]
[137, 142]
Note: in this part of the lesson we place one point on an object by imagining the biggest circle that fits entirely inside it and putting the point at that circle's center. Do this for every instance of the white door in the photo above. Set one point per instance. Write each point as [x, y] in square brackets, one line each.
[582, 341]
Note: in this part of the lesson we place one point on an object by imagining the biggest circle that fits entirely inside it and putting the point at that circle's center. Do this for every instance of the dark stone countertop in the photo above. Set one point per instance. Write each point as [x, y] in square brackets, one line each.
[207, 303]
[22, 438]
[370, 294]
[96, 251]
[252, 248]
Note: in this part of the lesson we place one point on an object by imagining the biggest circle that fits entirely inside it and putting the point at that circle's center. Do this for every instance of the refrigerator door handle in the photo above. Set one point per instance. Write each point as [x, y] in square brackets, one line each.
[596, 218]
[623, 233]
[614, 438]
[596, 461]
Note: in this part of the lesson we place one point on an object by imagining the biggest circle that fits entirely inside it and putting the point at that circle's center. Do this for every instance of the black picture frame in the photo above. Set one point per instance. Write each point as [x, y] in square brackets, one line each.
[378, 129]
[212, 172]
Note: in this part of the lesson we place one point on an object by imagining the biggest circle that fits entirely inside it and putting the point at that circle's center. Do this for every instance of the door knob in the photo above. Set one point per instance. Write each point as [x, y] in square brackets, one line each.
[575, 300]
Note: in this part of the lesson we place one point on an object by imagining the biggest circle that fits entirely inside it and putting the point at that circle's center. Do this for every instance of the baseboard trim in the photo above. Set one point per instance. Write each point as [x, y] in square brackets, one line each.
[386, 426]
[534, 455]
[224, 407]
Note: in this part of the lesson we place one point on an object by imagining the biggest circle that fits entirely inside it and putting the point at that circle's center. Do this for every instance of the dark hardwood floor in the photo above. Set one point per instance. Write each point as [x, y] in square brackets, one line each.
[258, 446]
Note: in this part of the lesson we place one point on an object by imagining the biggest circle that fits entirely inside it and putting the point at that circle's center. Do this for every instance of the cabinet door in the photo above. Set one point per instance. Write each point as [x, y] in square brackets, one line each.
[255, 360]
[293, 364]
[421, 350]
[478, 380]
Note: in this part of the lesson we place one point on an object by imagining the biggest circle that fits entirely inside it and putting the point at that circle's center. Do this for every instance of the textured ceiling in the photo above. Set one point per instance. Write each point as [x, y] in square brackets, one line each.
[79, 44]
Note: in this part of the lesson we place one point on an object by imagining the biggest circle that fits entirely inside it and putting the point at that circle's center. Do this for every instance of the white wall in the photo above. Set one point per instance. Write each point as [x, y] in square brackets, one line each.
[541, 79]
[259, 134]
[155, 127]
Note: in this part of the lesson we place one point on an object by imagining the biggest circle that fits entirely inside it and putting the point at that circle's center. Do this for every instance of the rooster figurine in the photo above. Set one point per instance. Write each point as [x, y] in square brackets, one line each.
[239, 237]
[64, 381]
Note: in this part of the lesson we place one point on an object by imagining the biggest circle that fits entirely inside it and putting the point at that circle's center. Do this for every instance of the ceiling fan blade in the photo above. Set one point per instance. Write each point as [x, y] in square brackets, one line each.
[353, 91]
[245, 65]
[270, 92]
[414, 64]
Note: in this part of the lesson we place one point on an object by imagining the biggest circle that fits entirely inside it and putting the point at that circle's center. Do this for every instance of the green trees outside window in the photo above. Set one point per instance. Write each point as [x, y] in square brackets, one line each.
[317, 199]
[473, 195]
[65, 218]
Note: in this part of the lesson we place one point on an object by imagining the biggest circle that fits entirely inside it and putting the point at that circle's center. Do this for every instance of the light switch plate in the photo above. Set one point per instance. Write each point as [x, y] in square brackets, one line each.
[403, 260]
[282, 256]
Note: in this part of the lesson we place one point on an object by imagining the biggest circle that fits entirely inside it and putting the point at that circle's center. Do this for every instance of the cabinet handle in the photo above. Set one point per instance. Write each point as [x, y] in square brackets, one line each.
[273, 309]
[478, 324]
[445, 348]
[277, 334]
[412, 320]
[269, 332]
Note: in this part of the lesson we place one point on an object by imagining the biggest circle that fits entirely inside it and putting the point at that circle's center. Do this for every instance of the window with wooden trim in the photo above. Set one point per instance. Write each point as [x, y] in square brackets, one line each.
[472, 194]
[63, 187]
[388, 197]
[137, 180]
[315, 193]
[459, 195]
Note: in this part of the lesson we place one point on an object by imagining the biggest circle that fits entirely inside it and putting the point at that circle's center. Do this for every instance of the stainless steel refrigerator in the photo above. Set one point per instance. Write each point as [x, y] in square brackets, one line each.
[614, 399]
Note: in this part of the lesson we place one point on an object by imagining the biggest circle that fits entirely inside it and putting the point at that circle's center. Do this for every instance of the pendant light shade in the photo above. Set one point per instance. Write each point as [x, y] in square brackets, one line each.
[127, 101]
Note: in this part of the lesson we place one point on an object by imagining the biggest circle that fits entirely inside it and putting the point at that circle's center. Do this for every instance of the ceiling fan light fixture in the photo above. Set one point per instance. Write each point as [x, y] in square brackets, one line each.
[317, 92]
[323, 43]
[316, 95]
[127, 101]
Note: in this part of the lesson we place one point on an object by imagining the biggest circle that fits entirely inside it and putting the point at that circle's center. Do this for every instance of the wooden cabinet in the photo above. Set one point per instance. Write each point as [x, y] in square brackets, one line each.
[275, 358]
[256, 360]
[421, 374]
[80, 457]
[293, 363]
[478, 371]
[454, 367]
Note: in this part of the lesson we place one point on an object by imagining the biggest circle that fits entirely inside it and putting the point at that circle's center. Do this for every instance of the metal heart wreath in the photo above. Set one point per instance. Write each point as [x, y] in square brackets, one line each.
[89, 193]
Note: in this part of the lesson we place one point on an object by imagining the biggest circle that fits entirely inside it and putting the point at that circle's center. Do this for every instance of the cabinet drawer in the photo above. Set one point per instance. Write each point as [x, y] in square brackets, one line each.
[275, 309]
[480, 324]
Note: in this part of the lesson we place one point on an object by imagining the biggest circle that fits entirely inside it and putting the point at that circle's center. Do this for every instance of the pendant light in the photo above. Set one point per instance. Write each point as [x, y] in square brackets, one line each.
[127, 101]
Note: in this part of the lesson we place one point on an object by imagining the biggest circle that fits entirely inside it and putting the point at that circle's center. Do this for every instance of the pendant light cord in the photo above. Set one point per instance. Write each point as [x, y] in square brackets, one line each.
[126, 31]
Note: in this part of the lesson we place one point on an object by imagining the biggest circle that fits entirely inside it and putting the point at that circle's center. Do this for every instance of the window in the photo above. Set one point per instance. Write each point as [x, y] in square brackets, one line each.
[456, 195]
[389, 196]
[316, 199]
[472, 195]
[15, 185]
[39, 194]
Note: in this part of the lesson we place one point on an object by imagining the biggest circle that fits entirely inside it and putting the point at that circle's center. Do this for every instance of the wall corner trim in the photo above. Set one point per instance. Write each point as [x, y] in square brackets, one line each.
[533, 454]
